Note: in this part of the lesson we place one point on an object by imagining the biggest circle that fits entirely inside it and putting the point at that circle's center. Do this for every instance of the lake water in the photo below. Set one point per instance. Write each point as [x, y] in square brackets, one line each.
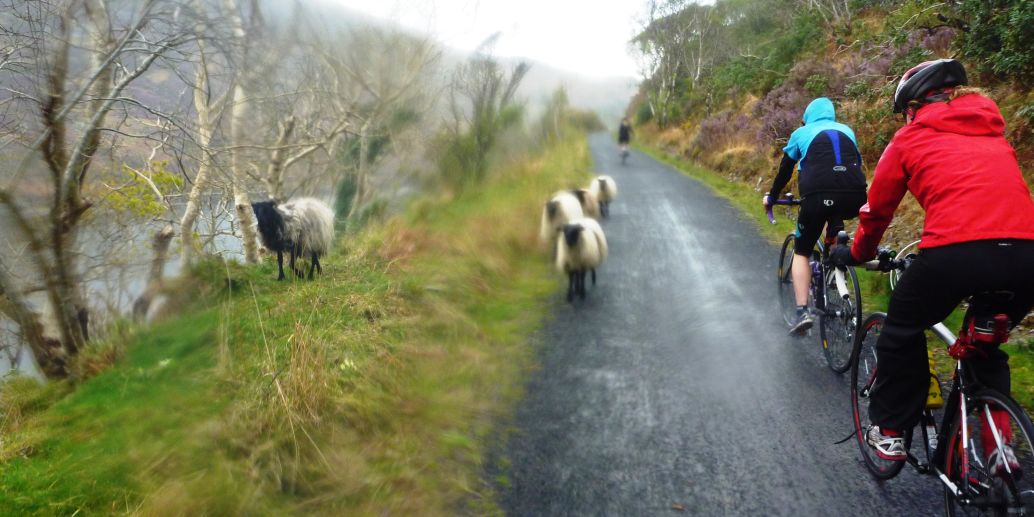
[115, 267]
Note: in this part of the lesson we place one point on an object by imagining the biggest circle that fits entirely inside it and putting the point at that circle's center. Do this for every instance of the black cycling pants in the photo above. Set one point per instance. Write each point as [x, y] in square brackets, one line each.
[928, 292]
[828, 209]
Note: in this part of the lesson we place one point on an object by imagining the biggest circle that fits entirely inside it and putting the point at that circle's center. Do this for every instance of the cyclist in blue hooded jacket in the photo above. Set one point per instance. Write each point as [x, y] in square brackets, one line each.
[832, 189]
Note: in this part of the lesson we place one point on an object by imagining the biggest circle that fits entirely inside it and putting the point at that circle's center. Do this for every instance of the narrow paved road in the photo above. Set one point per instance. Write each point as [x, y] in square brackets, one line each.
[674, 382]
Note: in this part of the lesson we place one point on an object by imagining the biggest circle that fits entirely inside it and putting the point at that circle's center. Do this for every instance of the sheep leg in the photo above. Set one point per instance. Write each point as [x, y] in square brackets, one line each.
[280, 264]
[295, 252]
[581, 284]
[319, 267]
[570, 286]
[312, 267]
[594, 276]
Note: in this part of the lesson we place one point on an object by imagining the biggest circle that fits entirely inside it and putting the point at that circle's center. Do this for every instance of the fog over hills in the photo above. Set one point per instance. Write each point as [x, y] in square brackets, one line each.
[607, 96]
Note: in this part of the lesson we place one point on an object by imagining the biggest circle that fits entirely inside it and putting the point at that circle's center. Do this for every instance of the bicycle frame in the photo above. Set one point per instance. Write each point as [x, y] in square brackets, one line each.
[963, 384]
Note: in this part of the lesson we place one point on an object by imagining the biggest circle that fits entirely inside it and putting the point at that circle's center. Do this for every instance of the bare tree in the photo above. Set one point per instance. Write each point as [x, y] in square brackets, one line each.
[837, 11]
[209, 105]
[678, 41]
[381, 73]
[74, 94]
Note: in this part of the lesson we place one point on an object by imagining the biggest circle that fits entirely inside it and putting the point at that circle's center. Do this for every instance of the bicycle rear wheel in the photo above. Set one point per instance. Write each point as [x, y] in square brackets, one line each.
[841, 319]
[1008, 493]
[787, 300]
[863, 375]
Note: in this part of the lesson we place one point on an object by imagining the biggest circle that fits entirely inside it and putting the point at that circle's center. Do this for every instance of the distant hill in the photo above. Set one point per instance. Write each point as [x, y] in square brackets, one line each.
[608, 96]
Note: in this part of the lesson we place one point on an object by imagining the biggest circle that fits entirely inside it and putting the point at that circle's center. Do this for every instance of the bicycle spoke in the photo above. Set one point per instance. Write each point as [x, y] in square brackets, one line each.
[840, 321]
[995, 423]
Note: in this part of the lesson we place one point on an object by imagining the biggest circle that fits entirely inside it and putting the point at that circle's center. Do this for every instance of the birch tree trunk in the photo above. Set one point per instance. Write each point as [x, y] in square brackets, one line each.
[241, 201]
[207, 112]
[238, 120]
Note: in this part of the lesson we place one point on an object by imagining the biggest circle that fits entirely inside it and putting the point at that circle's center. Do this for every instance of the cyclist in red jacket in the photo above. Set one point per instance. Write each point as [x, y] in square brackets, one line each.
[978, 236]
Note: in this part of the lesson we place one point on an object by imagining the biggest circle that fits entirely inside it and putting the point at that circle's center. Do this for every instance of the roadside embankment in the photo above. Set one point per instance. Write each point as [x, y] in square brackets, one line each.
[370, 390]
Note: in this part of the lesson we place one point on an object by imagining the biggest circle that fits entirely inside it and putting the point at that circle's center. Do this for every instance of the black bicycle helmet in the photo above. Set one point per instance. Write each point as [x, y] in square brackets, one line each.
[927, 76]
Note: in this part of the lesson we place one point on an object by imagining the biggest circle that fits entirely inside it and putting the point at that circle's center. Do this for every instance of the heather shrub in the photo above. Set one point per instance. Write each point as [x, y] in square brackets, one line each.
[817, 85]
[722, 131]
[781, 109]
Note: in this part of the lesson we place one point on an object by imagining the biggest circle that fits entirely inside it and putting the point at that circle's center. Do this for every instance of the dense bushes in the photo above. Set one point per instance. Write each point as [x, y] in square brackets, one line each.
[1000, 38]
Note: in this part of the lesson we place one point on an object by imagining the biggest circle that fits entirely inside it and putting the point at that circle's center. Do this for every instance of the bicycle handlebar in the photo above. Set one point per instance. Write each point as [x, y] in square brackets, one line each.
[788, 199]
[886, 258]
[886, 261]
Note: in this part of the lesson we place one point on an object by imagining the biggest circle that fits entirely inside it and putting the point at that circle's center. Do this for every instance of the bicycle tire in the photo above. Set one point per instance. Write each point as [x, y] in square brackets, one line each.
[841, 320]
[787, 299]
[980, 481]
[863, 372]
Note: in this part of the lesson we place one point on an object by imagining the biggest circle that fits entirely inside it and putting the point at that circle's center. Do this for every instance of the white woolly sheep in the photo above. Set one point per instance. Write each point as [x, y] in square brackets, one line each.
[590, 203]
[606, 190]
[304, 226]
[560, 209]
[581, 248]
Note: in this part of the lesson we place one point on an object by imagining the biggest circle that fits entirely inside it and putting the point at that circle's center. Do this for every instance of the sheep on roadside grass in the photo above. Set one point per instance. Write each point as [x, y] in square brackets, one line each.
[590, 203]
[302, 227]
[560, 209]
[581, 248]
[606, 190]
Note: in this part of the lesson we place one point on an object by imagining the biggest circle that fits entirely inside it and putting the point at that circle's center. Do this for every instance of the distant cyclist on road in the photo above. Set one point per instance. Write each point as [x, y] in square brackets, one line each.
[978, 236]
[832, 188]
[624, 135]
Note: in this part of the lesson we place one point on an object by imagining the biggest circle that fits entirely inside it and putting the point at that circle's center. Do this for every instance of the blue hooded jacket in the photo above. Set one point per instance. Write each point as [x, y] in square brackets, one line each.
[818, 117]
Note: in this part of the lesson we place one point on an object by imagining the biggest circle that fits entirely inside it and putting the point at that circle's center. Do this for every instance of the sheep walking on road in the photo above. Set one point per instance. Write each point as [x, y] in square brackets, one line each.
[606, 190]
[560, 209]
[302, 227]
[581, 248]
[590, 203]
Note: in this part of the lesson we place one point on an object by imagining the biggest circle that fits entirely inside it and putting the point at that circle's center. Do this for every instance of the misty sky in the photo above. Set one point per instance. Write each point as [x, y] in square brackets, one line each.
[585, 36]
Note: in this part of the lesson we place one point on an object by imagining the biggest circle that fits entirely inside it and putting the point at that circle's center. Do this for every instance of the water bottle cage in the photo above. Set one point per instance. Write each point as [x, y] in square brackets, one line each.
[977, 341]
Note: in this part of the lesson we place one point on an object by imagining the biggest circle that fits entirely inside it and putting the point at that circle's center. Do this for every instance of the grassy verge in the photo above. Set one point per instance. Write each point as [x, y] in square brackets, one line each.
[369, 391]
[875, 286]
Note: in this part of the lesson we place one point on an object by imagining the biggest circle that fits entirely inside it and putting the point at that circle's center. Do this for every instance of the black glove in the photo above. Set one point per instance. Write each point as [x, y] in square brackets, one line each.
[840, 256]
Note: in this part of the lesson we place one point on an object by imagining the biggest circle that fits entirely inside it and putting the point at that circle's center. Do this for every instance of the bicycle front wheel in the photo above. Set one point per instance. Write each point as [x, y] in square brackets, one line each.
[992, 419]
[787, 300]
[841, 319]
[863, 376]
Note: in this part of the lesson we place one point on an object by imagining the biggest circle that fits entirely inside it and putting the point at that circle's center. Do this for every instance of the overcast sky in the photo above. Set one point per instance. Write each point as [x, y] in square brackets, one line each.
[585, 36]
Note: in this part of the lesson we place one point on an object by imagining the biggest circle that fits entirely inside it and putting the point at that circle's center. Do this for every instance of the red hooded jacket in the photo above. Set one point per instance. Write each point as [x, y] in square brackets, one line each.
[955, 160]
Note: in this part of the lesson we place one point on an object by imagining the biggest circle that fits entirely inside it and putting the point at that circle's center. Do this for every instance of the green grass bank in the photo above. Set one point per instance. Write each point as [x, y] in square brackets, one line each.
[369, 391]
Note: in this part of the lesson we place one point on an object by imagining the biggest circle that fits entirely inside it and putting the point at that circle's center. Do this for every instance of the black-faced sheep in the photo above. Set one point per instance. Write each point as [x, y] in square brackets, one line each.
[302, 227]
[590, 203]
[560, 209]
[606, 190]
[581, 249]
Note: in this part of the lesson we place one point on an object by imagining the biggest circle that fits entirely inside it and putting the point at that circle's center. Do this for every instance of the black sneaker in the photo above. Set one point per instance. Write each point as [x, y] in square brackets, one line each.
[803, 322]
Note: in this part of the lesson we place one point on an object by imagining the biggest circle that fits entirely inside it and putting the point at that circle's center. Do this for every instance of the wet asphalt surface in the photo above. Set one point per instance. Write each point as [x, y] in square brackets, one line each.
[674, 385]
